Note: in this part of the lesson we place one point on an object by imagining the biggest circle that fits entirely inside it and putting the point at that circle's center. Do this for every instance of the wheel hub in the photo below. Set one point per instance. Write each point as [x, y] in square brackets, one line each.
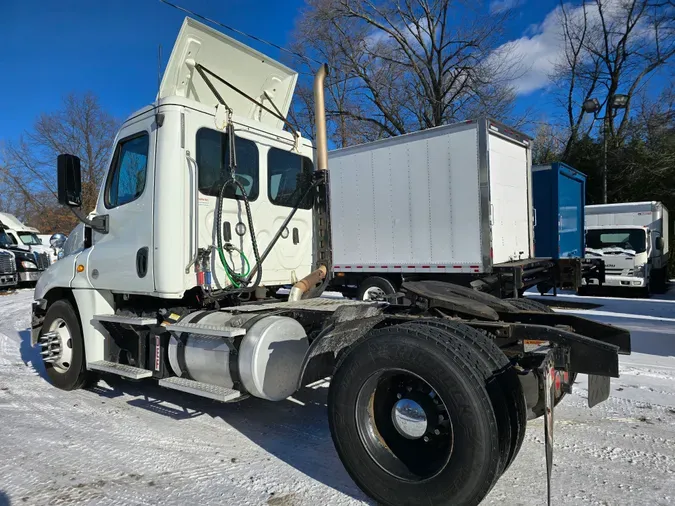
[374, 293]
[57, 345]
[404, 425]
[409, 418]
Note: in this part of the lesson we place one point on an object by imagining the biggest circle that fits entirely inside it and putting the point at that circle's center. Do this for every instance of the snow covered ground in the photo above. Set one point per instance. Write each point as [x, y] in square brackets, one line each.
[136, 444]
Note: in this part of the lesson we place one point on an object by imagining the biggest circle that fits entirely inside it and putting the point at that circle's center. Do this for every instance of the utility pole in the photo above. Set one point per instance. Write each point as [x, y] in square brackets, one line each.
[592, 106]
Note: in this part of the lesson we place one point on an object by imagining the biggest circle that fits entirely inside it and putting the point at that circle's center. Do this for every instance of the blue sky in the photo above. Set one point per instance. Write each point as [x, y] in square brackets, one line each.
[110, 47]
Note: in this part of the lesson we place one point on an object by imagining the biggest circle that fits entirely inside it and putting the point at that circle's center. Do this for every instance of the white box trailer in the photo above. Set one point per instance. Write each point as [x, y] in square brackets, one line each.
[450, 200]
[632, 238]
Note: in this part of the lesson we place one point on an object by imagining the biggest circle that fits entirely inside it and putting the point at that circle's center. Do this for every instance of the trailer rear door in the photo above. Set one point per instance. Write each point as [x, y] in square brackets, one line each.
[571, 197]
[509, 167]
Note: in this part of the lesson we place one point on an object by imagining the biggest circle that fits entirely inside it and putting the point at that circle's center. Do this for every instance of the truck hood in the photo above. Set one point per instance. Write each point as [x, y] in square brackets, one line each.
[246, 69]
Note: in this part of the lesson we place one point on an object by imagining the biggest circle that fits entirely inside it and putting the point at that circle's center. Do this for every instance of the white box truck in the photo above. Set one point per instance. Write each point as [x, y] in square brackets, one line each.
[448, 203]
[632, 238]
[140, 297]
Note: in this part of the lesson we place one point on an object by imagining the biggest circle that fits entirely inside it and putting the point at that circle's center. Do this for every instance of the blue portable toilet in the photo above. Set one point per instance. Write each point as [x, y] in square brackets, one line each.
[559, 197]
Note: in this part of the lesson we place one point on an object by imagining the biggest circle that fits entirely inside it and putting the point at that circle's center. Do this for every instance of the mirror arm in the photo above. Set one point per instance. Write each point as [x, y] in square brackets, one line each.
[98, 223]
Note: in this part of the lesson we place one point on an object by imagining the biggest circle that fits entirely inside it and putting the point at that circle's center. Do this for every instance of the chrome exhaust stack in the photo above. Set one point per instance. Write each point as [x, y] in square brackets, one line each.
[320, 119]
[305, 285]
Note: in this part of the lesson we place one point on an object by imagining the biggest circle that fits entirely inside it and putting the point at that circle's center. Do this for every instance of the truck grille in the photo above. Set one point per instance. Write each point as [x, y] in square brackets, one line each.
[42, 260]
[7, 264]
[619, 272]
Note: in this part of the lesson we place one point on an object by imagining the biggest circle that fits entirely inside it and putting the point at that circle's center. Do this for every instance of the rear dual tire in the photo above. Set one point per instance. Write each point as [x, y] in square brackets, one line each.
[472, 416]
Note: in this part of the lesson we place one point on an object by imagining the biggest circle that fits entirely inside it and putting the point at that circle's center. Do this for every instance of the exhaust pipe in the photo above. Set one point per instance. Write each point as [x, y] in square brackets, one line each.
[306, 283]
[313, 278]
[320, 119]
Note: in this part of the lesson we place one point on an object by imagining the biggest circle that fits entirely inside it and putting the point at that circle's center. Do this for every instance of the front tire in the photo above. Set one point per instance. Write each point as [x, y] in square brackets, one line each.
[446, 449]
[68, 371]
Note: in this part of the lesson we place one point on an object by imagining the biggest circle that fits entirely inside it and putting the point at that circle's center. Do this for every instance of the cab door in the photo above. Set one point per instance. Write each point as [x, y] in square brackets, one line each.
[121, 260]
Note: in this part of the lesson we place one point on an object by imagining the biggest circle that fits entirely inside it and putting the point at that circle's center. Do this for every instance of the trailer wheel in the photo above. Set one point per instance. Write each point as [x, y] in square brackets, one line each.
[501, 382]
[376, 288]
[412, 421]
[68, 371]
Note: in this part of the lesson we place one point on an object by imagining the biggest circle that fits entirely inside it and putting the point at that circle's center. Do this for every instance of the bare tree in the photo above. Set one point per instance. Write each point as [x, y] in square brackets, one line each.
[611, 47]
[81, 127]
[405, 65]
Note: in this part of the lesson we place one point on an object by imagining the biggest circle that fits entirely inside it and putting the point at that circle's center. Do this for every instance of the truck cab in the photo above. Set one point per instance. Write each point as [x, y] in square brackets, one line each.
[28, 264]
[625, 251]
[159, 198]
[21, 234]
[632, 239]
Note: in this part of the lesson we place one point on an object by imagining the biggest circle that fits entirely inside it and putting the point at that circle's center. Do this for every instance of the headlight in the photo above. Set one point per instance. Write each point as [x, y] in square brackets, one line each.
[28, 265]
[639, 270]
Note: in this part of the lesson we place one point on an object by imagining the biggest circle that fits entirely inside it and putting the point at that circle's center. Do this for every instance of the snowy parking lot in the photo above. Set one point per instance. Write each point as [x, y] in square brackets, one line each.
[129, 443]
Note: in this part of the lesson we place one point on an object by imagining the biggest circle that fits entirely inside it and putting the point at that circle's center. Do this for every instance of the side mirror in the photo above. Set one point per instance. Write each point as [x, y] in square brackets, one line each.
[660, 243]
[69, 180]
[57, 241]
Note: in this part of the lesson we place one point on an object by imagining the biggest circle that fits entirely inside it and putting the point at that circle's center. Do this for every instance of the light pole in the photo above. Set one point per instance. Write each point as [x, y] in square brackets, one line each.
[592, 106]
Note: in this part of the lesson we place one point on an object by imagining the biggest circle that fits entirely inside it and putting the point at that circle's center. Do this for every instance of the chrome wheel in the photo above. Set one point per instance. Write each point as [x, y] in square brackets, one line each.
[57, 345]
[374, 293]
[404, 425]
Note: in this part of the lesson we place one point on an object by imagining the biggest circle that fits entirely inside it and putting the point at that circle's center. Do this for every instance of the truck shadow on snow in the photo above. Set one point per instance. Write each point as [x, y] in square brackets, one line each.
[295, 430]
[31, 355]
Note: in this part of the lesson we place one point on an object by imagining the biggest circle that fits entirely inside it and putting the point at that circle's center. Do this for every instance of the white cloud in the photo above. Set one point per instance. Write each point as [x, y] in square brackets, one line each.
[497, 6]
[542, 46]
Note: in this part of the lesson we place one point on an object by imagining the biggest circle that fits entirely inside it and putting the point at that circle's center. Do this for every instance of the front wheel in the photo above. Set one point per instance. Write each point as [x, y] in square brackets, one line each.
[412, 421]
[62, 347]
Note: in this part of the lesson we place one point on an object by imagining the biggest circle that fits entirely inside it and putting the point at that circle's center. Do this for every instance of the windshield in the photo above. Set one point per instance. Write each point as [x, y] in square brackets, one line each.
[29, 238]
[625, 239]
[4, 239]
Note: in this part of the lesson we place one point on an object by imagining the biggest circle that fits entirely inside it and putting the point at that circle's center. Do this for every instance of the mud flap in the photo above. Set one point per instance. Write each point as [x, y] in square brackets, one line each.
[598, 389]
[547, 371]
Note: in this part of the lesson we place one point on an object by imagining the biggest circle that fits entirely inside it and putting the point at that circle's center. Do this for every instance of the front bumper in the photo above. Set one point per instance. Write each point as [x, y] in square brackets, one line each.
[8, 280]
[29, 276]
[38, 312]
[621, 281]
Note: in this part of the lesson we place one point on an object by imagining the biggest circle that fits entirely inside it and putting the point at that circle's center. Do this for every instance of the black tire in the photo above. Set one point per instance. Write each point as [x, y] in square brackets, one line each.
[501, 382]
[526, 304]
[75, 375]
[467, 473]
[376, 282]
[659, 282]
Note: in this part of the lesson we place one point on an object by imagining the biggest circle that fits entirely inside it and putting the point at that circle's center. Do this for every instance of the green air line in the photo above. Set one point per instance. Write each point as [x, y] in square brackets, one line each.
[231, 274]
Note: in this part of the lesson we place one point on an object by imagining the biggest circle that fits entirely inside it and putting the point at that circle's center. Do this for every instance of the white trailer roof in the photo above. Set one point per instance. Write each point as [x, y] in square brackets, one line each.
[623, 207]
[246, 69]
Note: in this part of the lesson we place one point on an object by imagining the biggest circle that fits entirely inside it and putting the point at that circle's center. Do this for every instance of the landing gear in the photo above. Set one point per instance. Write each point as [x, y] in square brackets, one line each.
[421, 412]
[62, 348]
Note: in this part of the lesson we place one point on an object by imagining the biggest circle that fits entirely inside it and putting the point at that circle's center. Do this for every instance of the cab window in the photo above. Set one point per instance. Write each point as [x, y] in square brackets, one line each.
[213, 164]
[289, 176]
[126, 180]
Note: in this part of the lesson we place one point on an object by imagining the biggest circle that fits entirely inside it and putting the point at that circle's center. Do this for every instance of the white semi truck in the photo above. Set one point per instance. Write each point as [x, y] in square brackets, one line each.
[208, 206]
[632, 238]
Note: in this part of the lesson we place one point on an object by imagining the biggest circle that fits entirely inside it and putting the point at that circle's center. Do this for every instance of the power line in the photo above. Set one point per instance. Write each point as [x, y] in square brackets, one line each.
[240, 32]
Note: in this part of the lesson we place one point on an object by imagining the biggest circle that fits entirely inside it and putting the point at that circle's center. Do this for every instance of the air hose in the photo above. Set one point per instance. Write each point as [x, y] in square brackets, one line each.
[235, 278]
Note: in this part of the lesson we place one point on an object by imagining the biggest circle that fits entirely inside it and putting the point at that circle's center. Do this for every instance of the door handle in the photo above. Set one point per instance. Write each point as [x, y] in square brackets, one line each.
[296, 236]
